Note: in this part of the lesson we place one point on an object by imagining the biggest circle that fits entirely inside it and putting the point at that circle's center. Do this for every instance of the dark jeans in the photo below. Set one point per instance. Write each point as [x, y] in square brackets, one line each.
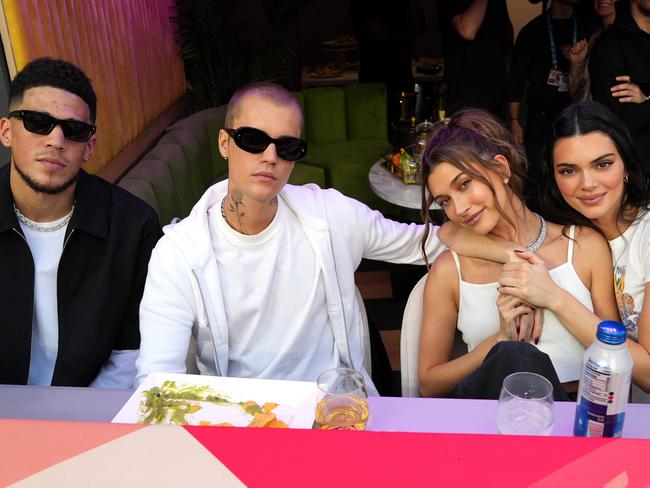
[503, 359]
[382, 373]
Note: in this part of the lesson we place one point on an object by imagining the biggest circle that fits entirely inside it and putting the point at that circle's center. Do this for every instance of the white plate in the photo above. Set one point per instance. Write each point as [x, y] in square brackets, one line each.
[296, 399]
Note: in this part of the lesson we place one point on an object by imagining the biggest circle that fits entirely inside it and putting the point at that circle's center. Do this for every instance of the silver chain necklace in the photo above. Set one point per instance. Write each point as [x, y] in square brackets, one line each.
[539, 240]
[43, 228]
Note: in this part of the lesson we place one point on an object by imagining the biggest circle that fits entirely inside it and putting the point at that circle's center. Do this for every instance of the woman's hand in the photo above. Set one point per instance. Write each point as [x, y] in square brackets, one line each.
[511, 312]
[627, 92]
[577, 53]
[528, 281]
[519, 321]
[529, 326]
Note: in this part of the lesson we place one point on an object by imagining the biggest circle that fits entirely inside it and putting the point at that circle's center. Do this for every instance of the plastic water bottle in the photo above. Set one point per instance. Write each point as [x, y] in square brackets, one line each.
[604, 384]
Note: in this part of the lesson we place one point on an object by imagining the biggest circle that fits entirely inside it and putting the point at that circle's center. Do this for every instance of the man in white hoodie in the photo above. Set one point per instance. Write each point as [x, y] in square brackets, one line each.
[261, 273]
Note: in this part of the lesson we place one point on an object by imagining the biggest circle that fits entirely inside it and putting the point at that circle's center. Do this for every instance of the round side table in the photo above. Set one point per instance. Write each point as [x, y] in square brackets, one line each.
[393, 190]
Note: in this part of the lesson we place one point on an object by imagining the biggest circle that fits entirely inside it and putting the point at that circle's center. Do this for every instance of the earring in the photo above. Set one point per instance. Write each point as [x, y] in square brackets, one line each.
[625, 179]
[225, 156]
[506, 180]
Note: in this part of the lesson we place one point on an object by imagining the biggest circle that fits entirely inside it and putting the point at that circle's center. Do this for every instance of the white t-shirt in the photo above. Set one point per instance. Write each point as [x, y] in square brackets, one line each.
[631, 256]
[46, 249]
[266, 304]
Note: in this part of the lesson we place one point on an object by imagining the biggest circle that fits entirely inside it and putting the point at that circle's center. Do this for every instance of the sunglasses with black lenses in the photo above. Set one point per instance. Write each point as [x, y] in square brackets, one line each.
[256, 141]
[42, 124]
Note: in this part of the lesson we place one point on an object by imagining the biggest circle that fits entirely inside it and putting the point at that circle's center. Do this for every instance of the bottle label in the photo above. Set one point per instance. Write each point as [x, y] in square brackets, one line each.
[601, 406]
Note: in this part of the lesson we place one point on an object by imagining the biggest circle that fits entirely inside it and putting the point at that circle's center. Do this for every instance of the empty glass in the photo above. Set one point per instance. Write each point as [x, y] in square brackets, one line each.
[525, 405]
[423, 132]
[344, 400]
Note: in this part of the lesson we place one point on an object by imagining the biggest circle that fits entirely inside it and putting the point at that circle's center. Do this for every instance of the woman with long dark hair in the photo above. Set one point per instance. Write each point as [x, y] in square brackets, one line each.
[592, 176]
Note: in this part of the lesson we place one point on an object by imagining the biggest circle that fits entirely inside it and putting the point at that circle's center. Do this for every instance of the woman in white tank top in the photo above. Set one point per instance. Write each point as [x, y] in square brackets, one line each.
[474, 171]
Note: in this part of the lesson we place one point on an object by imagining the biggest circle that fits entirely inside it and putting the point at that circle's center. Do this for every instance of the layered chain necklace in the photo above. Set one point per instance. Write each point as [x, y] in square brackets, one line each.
[40, 227]
[541, 235]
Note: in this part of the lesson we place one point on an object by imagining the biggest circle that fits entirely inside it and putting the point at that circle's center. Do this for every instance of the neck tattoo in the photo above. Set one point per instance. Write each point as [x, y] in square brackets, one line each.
[223, 209]
[40, 227]
[541, 235]
[234, 205]
[223, 214]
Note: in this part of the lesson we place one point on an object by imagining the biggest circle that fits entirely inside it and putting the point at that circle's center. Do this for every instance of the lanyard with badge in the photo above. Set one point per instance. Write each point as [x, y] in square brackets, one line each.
[556, 77]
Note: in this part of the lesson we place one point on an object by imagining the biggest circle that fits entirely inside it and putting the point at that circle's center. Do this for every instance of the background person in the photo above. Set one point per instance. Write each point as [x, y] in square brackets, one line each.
[477, 39]
[474, 171]
[539, 75]
[578, 54]
[386, 31]
[619, 68]
[73, 248]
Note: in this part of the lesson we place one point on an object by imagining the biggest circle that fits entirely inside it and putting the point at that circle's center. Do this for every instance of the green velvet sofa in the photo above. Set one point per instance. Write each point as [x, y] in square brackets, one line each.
[344, 127]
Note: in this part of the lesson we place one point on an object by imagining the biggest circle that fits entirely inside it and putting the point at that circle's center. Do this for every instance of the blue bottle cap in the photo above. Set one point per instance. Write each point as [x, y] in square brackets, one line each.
[611, 332]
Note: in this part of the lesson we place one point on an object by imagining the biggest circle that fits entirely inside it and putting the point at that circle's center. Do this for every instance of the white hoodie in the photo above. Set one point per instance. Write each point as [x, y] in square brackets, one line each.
[183, 296]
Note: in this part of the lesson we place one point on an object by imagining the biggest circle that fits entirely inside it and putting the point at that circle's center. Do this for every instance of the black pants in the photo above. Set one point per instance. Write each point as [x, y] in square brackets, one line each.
[503, 359]
[382, 372]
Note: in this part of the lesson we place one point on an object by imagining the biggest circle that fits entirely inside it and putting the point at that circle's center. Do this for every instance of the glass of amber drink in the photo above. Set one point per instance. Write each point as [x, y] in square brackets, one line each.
[344, 400]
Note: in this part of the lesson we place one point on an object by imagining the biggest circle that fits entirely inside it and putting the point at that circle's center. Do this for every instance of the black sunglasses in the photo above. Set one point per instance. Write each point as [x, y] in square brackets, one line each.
[256, 141]
[42, 124]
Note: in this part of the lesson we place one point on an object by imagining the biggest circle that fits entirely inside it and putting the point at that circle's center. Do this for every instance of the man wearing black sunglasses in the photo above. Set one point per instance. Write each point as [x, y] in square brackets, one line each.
[73, 248]
[261, 273]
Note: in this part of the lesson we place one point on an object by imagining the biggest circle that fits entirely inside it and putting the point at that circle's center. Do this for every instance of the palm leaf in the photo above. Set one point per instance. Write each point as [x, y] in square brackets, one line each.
[218, 60]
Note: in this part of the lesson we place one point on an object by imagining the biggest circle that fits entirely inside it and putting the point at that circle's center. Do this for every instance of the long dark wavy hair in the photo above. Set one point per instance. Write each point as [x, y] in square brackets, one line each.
[472, 137]
[579, 119]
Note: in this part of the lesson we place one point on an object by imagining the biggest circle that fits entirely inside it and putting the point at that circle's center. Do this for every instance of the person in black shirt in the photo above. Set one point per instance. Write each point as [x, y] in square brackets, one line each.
[476, 39]
[619, 69]
[385, 31]
[539, 72]
[74, 248]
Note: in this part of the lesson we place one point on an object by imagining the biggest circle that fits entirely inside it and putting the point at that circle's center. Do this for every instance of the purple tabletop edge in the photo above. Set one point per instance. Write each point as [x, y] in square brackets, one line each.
[387, 414]
[446, 415]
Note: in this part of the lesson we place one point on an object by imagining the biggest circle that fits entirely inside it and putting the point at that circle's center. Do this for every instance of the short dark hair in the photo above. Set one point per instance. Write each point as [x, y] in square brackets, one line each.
[57, 74]
[579, 119]
[268, 90]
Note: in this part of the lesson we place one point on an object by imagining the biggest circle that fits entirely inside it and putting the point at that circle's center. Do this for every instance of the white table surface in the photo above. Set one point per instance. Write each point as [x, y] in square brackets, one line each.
[393, 190]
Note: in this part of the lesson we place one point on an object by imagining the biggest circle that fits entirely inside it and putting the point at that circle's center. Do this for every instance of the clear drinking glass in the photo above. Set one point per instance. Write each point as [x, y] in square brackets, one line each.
[525, 405]
[344, 400]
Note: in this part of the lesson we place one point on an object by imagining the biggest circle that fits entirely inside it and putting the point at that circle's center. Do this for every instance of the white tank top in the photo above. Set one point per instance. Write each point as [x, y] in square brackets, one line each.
[478, 316]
